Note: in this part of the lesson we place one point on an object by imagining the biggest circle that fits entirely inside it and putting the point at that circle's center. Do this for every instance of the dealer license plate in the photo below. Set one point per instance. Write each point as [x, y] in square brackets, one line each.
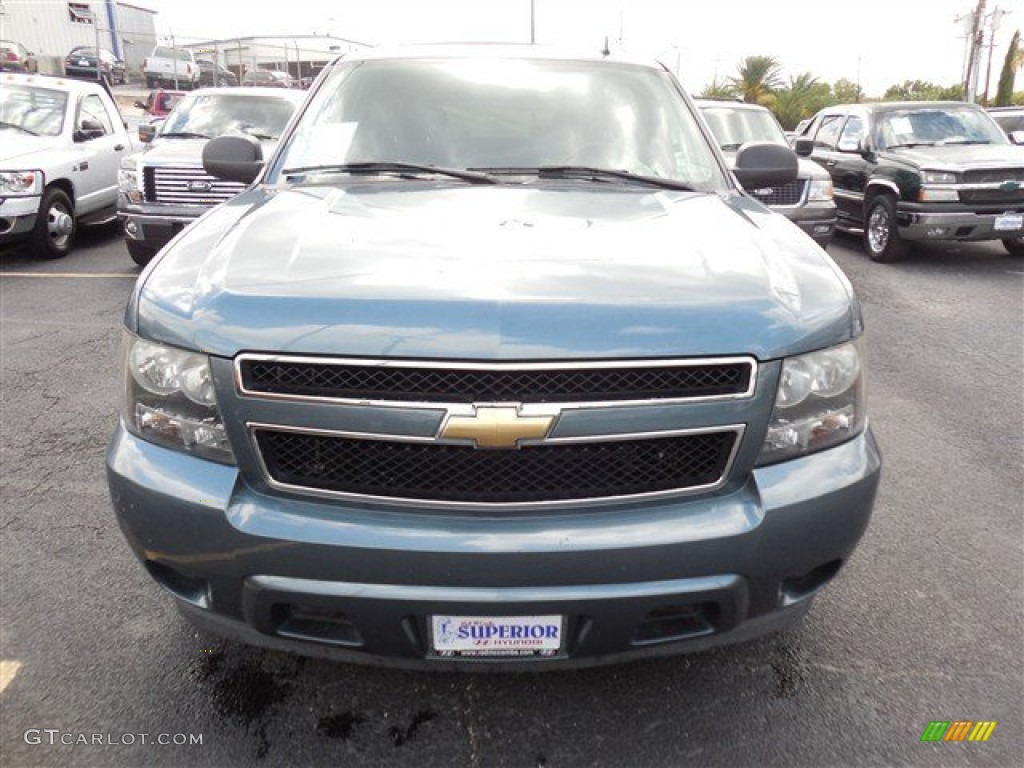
[501, 636]
[1009, 222]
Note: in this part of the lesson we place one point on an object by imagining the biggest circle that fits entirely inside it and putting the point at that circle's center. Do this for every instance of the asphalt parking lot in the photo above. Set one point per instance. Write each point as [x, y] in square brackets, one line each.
[925, 623]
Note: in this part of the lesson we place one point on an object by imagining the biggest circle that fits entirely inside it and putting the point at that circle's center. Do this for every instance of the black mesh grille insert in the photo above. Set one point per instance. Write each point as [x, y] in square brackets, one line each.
[438, 472]
[148, 183]
[784, 194]
[375, 382]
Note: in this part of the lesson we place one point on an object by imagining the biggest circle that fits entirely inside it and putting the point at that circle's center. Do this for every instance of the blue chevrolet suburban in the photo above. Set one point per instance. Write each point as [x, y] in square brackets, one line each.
[494, 364]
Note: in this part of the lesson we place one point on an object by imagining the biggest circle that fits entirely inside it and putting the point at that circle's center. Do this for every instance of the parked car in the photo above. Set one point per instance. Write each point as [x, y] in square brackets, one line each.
[911, 171]
[1010, 119]
[215, 75]
[61, 142]
[493, 362]
[168, 67]
[164, 188]
[807, 201]
[15, 57]
[268, 78]
[160, 102]
[82, 63]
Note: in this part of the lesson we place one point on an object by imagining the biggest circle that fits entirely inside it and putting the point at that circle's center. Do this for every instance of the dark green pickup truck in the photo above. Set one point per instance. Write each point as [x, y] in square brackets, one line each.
[922, 171]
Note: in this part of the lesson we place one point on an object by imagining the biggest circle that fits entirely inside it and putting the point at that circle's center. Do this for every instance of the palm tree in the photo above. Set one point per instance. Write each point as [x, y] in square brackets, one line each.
[757, 78]
[718, 90]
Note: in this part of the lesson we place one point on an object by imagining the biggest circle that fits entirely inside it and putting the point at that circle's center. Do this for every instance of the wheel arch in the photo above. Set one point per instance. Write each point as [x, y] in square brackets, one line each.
[64, 185]
[876, 187]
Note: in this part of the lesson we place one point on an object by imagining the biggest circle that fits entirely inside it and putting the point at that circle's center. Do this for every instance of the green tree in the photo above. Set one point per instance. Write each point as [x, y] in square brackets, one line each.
[922, 90]
[847, 92]
[803, 97]
[757, 78]
[718, 90]
[1014, 56]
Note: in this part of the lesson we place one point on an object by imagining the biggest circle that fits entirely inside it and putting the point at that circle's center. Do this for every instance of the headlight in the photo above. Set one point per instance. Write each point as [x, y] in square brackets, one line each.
[21, 183]
[128, 180]
[819, 403]
[938, 177]
[819, 190]
[170, 399]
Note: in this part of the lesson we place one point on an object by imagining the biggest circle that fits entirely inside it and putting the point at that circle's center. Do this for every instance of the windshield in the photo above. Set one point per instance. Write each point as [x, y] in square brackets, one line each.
[937, 126]
[734, 127]
[503, 114]
[27, 109]
[217, 114]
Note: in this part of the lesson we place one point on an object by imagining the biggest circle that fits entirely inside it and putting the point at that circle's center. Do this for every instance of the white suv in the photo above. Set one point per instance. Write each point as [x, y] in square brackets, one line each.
[171, 67]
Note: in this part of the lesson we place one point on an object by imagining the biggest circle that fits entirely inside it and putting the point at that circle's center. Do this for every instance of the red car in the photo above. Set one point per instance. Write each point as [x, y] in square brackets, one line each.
[159, 103]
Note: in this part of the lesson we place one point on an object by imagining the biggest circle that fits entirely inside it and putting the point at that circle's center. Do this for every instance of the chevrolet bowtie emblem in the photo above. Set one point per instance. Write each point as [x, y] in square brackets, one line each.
[496, 427]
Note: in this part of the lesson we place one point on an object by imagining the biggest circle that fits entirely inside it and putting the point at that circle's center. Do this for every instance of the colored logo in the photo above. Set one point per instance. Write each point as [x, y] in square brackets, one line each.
[496, 427]
[958, 730]
[1009, 186]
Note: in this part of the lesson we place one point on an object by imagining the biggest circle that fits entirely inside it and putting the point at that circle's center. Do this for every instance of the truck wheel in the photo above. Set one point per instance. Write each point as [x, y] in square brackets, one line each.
[140, 254]
[1014, 246]
[54, 232]
[881, 239]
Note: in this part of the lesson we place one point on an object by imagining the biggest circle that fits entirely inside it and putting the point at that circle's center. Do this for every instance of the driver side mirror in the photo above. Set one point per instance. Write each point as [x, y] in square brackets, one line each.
[233, 158]
[141, 105]
[1016, 137]
[147, 131]
[765, 164]
[803, 147]
[88, 130]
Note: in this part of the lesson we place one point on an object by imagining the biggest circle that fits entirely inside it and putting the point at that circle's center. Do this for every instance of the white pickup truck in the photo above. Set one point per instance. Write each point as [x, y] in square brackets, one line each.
[168, 67]
[61, 143]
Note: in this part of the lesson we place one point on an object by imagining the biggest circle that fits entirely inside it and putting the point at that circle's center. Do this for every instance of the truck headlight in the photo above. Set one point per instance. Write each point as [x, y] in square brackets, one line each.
[819, 403]
[938, 195]
[21, 183]
[170, 399]
[938, 177]
[128, 180]
[819, 191]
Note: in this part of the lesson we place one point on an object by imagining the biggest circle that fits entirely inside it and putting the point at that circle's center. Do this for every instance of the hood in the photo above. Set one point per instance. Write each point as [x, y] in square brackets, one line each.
[184, 151]
[16, 146]
[419, 269]
[959, 157]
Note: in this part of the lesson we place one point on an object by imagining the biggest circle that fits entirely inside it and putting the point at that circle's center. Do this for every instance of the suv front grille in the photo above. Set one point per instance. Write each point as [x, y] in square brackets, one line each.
[1010, 197]
[590, 383]
[186, 186]
[785, 194]
[993, 175]
[455, 473]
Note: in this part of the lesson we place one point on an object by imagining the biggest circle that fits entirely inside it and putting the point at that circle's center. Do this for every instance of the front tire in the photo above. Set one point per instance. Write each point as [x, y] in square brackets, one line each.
[1014, 246]
[54, 233]
[881, 239]
[140, 253]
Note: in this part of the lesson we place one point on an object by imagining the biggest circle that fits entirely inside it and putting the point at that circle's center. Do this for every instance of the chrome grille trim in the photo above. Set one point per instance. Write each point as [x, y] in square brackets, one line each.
[738, 430]
[495, 366]
[170, 184]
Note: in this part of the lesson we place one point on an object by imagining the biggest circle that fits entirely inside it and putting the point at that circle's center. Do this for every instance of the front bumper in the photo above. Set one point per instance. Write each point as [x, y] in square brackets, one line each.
[242, 561]
[153, 226]
[954, 222]
[17, 218]
[818, 220]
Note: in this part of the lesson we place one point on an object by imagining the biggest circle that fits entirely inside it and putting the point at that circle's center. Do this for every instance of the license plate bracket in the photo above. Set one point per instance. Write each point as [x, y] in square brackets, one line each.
[497, 636]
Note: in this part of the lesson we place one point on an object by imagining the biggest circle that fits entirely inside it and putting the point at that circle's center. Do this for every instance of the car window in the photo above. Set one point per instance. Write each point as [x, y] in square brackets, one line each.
[163, 53]
[937, 126]
[92, 109]
[853, 131]
[495, 113]
[828, 131]
[216, 114]
[27, 109]
[735, 126]
[168, 101]
[182, 55]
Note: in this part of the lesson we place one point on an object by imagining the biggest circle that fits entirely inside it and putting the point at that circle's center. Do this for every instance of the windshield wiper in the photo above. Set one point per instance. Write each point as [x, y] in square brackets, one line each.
[961, 142]
[184, 135]
[5, 124]
[260, 136]
[912, 144]
[407, 170]
[730, 147]
[586, 173]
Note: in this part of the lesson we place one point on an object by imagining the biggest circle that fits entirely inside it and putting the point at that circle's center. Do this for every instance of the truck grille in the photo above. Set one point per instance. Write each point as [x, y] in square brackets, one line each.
[187, 186]
[451, 473]
[993, 175]
[785, 194]
[466, 384]
[1010, 197]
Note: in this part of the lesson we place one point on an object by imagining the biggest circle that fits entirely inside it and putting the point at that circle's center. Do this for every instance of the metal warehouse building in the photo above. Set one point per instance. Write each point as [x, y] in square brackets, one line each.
[51, 28]
[299, 55]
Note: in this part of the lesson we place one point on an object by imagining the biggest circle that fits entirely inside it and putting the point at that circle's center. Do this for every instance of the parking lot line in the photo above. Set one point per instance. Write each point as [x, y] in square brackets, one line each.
[132, 275]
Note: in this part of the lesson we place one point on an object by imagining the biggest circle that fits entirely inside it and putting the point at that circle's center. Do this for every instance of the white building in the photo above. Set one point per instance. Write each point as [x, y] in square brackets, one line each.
[51, 28]
[300, 55]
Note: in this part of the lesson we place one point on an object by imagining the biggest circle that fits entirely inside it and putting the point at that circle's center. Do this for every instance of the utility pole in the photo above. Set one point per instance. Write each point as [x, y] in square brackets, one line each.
[533, 25]
[994, 20]
[974, 54]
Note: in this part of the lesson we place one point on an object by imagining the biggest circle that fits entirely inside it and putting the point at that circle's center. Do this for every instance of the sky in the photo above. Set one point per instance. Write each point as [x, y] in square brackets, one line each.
[879, 42]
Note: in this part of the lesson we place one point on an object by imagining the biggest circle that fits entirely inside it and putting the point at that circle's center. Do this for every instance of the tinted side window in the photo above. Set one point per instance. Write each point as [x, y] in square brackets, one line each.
[163, 53]
[93, 110]
[828, 131]
[849, 140]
